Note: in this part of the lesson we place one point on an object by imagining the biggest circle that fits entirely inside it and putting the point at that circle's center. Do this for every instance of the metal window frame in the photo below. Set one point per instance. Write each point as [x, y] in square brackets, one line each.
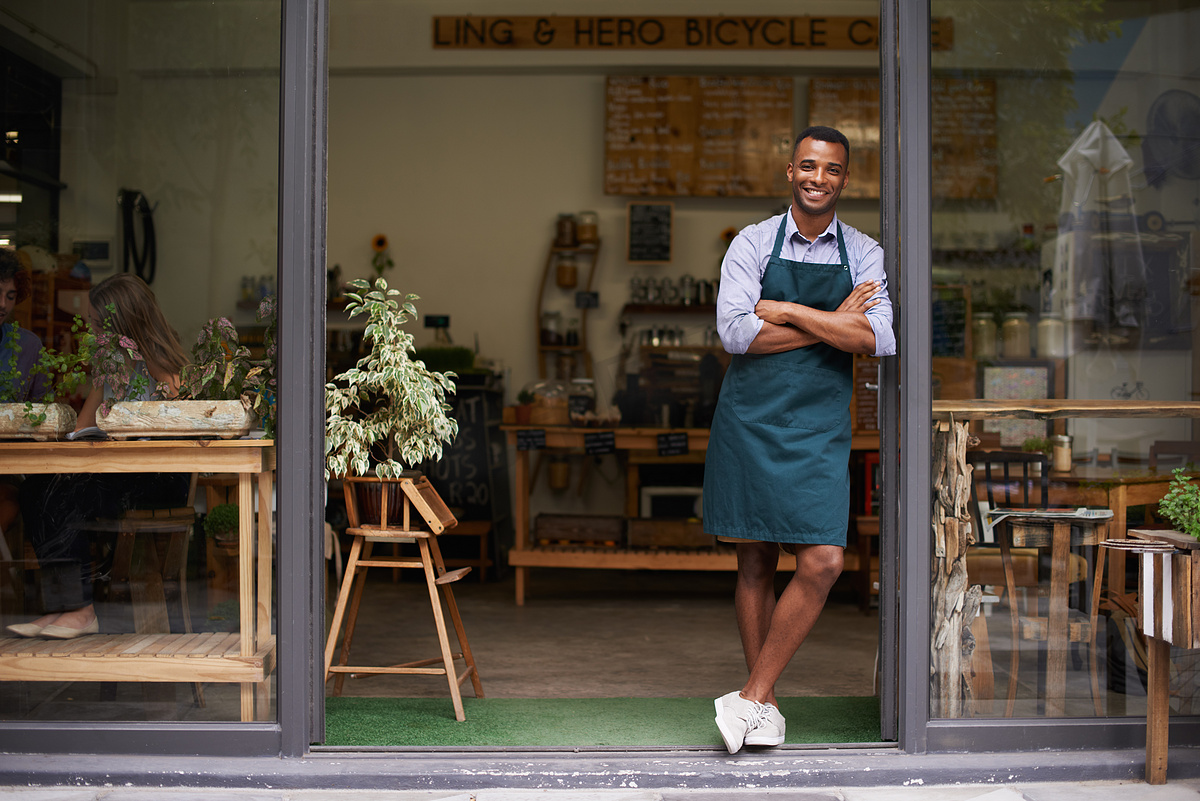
[153, 754]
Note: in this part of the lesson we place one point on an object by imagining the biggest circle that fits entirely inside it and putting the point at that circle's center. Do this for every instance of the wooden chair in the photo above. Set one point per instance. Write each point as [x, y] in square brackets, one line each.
[1187, 449]
[1021, 480]
[161, 573]
[422, 517]
[163, 569]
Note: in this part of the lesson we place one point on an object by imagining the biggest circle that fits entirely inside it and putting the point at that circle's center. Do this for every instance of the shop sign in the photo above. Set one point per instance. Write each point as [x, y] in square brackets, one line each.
[503, 32]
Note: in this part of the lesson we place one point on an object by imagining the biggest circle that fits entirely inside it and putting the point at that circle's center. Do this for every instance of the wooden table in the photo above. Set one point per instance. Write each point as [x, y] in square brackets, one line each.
[951, 516]
[247, 657]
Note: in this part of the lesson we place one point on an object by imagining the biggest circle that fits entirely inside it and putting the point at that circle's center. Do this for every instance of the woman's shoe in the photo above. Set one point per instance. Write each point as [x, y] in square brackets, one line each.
[67, 633]
[25, 629]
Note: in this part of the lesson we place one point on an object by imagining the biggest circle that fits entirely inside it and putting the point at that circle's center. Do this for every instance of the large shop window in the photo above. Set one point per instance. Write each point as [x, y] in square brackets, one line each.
[138, 215]
[1065, 237]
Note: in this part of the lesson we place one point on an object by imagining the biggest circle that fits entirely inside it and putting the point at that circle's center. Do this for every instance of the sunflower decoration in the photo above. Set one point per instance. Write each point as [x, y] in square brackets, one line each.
[381, 260]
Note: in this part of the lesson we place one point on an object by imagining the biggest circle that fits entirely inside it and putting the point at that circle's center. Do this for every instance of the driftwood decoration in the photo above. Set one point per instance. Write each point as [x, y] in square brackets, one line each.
[955, 604]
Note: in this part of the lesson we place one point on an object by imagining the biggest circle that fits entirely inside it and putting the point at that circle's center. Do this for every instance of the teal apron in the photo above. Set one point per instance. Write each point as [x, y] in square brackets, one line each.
[777, 467]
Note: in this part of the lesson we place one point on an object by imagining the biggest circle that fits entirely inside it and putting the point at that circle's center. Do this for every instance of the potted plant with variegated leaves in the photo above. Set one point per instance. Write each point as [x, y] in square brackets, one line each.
[389, 412]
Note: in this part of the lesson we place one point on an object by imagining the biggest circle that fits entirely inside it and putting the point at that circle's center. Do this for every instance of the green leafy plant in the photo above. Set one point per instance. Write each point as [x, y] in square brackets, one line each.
[61, 374]
[1181, 504]
[525, 397]
[1037, 445]
[221, 521]
[118, 367]
[389, 410]
[222, 368]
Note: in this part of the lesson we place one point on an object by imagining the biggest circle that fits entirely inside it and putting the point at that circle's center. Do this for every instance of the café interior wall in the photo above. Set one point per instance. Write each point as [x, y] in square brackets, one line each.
[181, 103]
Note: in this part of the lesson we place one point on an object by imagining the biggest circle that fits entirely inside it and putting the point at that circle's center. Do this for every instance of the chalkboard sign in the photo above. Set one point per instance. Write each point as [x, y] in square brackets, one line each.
[673, 443]
[951, 321]
[650, 231]
[587, 300]
[697, 135]
[463, 475]
[598, 443]
[531, 439]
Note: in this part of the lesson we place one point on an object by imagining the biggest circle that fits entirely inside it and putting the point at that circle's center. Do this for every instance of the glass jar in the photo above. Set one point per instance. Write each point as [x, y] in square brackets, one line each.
[572, 336]
[588, 229]
[983, 335]
[1051, 337]
[1061, 458]
[582, 398]
[567, 274]
[565, 231]
[551, 328]
[1014, 336]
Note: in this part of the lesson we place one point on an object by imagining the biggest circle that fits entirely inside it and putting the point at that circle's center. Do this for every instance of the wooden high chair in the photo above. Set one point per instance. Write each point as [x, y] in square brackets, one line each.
[423, 516]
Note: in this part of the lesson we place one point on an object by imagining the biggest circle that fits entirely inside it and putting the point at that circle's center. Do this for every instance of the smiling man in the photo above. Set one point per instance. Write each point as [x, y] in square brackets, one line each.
[19, 348]
[800, 293]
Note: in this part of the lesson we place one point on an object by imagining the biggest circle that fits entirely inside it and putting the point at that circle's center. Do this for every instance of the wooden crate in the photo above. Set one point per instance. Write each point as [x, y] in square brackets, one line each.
[602, 530]
[667, 533]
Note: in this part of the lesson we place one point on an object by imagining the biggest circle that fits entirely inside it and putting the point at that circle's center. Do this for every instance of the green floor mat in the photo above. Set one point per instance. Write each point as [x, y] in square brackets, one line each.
[357, 721]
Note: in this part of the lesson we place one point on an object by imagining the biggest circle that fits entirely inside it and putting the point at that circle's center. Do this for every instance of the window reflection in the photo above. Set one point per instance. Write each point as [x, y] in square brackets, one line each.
[142, 143]
[1071, 281]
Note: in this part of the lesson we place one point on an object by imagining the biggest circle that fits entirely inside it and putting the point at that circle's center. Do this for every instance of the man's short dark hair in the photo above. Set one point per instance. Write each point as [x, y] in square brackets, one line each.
[822, 133]
[11, 269]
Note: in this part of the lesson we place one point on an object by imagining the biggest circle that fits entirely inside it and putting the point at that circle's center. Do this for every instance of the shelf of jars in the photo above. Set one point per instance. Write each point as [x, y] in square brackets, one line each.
[566, 286]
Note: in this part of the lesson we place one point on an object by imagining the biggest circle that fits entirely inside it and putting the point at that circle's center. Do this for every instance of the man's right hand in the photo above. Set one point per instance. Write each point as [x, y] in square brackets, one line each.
[859, 299]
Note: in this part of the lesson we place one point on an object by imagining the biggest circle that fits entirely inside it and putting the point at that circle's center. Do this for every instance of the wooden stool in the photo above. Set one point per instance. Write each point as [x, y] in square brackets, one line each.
[473, 528]
[431, 518]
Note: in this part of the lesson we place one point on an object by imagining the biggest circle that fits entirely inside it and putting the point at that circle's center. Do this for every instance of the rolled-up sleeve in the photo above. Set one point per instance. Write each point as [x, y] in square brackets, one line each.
[870, 268]
[741, 289]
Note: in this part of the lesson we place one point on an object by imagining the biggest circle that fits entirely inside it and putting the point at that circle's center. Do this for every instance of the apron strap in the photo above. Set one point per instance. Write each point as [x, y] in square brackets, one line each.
[842, 248]
[779, 235]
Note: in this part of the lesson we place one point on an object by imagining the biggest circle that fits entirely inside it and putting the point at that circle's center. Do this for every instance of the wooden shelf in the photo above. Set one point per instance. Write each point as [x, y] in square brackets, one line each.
[203, 656]
[669, 308]
[579, 356]
[643, 559]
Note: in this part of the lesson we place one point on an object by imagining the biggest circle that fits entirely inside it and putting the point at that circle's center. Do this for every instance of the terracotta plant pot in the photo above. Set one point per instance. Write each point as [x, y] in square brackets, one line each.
[369, 498]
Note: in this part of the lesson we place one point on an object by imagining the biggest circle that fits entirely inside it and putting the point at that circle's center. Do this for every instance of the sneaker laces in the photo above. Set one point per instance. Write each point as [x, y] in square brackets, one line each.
[757, 715]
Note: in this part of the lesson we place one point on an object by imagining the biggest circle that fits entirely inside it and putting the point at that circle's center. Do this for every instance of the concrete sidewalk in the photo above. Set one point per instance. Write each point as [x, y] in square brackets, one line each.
[1182, 790]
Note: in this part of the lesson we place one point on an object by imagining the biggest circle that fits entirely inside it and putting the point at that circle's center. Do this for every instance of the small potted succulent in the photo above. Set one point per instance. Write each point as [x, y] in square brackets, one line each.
[221, 523]
[389, 412]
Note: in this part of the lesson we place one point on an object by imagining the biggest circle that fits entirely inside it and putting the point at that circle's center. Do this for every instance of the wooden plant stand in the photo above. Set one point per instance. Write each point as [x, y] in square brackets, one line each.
[422, 517]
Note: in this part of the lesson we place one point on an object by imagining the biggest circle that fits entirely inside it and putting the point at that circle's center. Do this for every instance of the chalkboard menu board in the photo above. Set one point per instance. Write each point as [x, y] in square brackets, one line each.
[649, 230]
[704, 136]
[951, 322]
[964, 133]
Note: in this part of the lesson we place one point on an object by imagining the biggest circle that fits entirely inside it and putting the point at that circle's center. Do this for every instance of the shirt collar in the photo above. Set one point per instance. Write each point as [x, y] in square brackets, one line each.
[792, 229]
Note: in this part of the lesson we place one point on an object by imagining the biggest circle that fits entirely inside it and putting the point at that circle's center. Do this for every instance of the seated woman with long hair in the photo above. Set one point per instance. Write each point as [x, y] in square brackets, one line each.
[57, 508]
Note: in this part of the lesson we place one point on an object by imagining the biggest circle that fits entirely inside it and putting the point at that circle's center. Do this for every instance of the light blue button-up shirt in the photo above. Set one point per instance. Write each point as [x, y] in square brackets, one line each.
[746, 262]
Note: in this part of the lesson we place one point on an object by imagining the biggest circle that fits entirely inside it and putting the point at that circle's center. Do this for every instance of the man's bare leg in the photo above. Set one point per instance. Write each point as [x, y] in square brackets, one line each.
[793, 617]
[754, 597]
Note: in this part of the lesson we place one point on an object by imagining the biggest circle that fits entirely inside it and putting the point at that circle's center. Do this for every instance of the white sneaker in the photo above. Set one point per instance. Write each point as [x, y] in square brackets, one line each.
[736, 716]
[770, 730]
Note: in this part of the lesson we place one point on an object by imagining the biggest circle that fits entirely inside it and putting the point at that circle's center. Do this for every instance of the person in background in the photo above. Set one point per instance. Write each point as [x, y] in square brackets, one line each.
[800, 294]
[19, 352]
[56, 508]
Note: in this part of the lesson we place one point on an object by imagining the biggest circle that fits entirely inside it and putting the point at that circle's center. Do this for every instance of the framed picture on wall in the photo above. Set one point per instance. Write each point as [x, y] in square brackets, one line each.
[1017, 380]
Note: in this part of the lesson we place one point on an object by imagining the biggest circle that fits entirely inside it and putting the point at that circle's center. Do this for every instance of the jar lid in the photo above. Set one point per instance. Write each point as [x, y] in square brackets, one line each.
[984, 315]
[1061, 439]
[582, 380]
[1016, 315]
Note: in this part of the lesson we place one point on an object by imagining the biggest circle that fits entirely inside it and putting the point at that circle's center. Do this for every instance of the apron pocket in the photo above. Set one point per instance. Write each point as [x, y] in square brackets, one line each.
[778, 393]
